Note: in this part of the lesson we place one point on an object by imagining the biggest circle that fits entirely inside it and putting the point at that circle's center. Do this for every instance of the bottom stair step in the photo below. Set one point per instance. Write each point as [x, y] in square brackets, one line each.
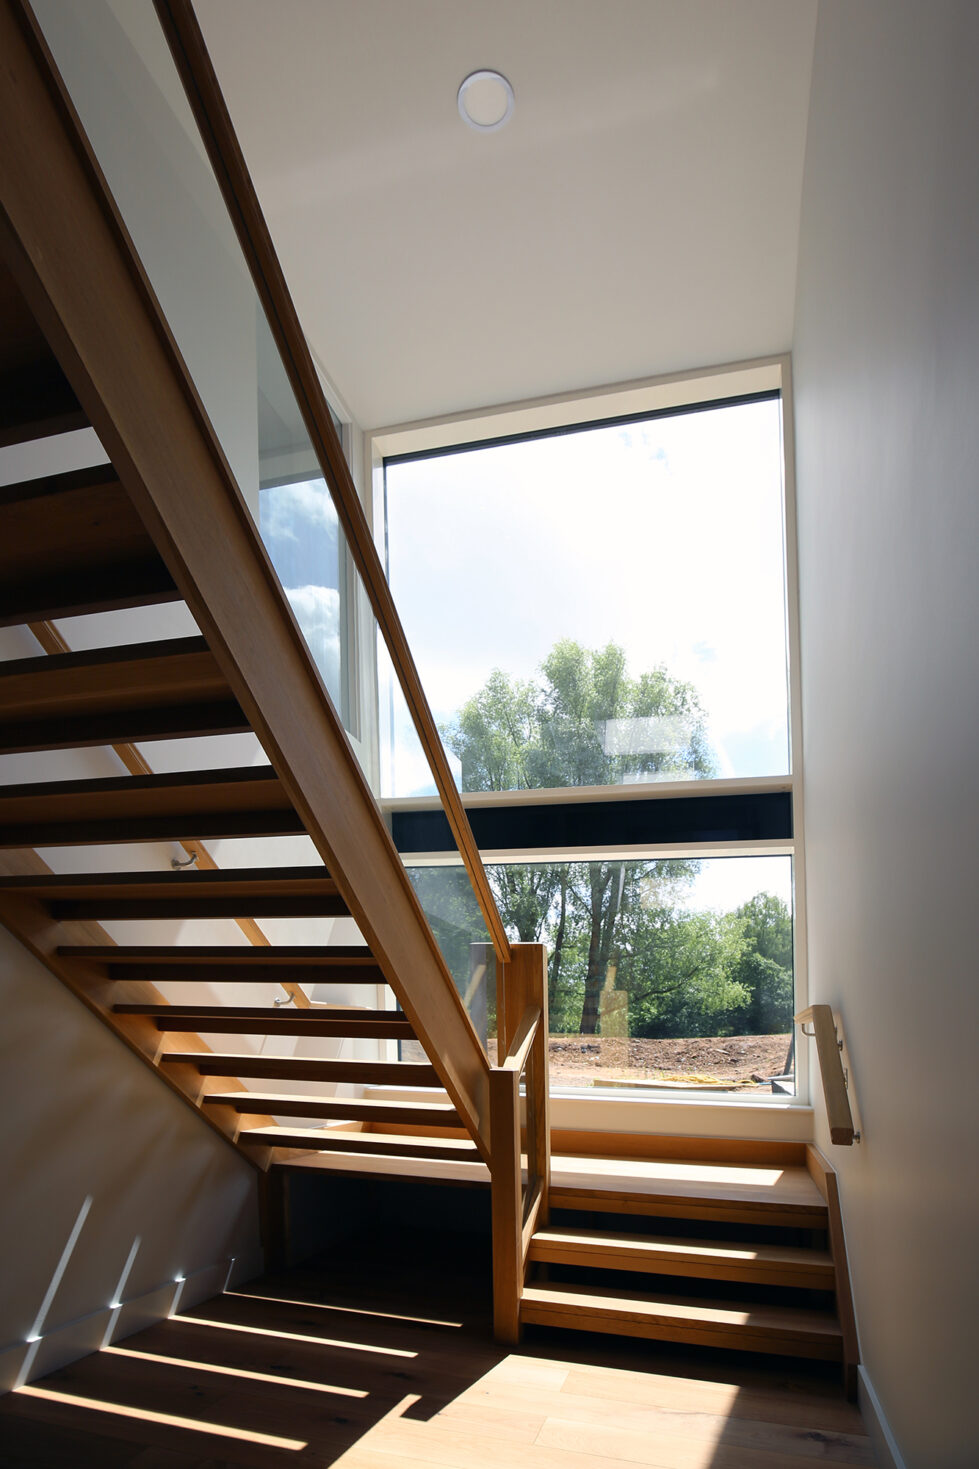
[672, 1255]
[745, 1326]
[401, 1145]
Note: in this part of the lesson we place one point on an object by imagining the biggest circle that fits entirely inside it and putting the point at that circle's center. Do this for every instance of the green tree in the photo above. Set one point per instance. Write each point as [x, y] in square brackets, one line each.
[764, 967]
[584, 722]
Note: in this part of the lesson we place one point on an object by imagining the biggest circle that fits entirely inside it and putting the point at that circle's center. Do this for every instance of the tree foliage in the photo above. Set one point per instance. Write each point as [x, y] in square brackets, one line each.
[620, 925]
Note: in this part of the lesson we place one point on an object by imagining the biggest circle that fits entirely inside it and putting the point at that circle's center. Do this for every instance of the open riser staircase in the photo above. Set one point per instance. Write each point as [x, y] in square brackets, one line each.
[73, 545]
[696, 1243]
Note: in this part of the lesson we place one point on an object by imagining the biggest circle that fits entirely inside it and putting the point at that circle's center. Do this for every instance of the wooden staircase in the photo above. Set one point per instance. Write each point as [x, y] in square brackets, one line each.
[82, 340]
[685, 1247]
[74, 544]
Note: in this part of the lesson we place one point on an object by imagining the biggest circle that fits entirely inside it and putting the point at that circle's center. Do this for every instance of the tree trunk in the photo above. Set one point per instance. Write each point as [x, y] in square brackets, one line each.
[554, 969]
[606, 897]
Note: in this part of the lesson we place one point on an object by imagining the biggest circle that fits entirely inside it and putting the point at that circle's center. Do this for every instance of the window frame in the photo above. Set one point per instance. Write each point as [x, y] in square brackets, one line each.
[669, 392]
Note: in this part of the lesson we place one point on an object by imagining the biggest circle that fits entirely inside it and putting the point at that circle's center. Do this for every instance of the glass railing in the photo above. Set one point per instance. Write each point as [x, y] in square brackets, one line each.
[128, 93]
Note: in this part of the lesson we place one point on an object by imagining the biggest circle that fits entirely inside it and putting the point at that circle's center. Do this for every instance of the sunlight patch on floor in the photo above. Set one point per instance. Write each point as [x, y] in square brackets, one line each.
[168, 1420]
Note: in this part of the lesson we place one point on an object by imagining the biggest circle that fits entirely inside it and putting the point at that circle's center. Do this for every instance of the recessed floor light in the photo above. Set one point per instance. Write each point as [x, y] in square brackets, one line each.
[485, 101]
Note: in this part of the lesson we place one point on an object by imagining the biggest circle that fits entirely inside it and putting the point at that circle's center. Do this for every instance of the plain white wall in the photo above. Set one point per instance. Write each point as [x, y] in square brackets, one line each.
[85, 1120]
[887, 390]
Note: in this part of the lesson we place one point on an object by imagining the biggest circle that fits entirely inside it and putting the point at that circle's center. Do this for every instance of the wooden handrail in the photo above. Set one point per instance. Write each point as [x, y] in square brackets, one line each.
[211, 114]
[82, 278]
[828, 1048]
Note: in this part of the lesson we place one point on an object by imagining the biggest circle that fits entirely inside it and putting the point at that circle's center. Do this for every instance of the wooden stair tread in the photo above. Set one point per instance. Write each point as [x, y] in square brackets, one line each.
[353, 1109]
[158, 690]
[783, 1326]
[397, 1144]
[740, 1192]
[37, 401]
[306, 1068]
[776, 1264]
[291, 892]
[268, 1020]
[295, 955]
[73, 543]
[196, 804]
[257, 1012]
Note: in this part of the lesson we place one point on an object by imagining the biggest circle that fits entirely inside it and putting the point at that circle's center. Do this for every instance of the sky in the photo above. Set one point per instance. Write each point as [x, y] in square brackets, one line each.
[664, 536]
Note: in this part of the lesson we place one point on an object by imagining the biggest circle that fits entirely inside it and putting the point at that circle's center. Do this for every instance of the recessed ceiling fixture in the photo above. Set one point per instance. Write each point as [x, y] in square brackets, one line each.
[485, 101]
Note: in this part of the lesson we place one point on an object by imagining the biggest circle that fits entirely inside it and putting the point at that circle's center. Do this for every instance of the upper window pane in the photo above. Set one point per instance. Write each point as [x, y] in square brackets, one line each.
[598, 606]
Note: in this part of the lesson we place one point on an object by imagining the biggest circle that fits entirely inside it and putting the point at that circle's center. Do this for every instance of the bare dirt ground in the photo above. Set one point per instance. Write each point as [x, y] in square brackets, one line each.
[733, 1062]
[725, 1064]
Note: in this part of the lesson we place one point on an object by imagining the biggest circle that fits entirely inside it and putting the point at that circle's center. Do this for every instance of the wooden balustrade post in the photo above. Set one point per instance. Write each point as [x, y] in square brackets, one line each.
[526, 984]
[507, 1203]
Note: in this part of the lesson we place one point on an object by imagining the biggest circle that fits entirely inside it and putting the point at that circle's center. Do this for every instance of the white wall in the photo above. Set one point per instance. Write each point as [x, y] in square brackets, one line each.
[92, 1137]
[887, 367]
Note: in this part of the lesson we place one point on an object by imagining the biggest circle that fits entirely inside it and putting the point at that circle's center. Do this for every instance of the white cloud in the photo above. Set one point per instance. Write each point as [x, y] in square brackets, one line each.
[317, 611]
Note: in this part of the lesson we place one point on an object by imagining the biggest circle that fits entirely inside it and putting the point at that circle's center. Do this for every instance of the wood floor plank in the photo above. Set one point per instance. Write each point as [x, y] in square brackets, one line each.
[357, 1367]
[688, 1394]
[736, 1428]
[673, 1450]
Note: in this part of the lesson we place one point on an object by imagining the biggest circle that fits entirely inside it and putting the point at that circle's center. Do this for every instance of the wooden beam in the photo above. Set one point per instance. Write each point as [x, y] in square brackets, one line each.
[525, 978]
[506, 1204]
[78, 271]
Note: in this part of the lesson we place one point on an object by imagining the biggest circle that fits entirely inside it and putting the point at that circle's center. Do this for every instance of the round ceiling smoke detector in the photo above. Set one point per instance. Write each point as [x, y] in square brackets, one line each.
[485, 101]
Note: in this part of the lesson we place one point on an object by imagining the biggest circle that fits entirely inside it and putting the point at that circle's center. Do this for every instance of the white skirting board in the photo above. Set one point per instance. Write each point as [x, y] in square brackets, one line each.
[23, 1362]
[887, 1451]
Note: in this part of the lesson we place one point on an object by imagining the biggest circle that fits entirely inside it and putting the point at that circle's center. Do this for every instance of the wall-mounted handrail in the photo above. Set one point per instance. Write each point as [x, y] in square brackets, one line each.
[204, 94]
[834, 1078]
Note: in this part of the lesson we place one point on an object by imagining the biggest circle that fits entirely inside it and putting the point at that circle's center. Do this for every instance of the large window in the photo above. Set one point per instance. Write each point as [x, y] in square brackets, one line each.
[597, 595]
[602, 605]
[666, 976]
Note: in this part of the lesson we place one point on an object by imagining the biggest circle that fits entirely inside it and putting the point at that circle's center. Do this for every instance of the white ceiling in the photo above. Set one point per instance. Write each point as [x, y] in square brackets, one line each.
[638, 214]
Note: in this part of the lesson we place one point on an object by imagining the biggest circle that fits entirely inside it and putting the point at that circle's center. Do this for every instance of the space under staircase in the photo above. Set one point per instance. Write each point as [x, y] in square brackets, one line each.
[85, 342]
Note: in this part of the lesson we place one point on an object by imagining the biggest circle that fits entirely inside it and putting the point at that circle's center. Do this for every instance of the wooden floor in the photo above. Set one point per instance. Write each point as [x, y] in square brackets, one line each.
[390, 1365]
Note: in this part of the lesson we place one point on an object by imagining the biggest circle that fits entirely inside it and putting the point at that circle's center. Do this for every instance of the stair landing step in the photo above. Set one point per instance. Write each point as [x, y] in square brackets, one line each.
[738, 1193]
[318, 1139]
[706, 1259]
[742, 1325]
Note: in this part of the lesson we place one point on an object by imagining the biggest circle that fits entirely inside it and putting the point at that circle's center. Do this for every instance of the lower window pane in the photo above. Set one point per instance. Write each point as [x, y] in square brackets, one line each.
[670, 977]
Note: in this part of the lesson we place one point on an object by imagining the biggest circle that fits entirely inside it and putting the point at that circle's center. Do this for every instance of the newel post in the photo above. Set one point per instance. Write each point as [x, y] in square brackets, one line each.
[523, 985]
